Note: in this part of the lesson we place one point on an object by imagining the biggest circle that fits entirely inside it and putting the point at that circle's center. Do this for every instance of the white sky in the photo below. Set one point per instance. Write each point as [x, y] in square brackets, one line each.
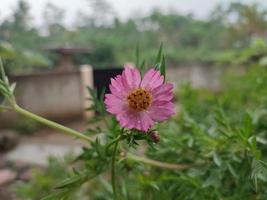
[124, 8]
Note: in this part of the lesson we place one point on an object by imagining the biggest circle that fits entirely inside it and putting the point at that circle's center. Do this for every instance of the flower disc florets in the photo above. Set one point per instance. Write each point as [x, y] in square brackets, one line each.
[139, 99]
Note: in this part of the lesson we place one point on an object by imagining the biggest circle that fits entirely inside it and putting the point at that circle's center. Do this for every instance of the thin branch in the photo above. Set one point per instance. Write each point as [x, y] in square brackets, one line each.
[51, 124]
[2, 71]
[113, 170]
[157, 163]
[5, 107]
[117, 139]
[79, 135]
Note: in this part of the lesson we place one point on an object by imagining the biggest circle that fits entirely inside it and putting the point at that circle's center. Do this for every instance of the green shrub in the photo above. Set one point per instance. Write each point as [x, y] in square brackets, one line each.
[220, 136]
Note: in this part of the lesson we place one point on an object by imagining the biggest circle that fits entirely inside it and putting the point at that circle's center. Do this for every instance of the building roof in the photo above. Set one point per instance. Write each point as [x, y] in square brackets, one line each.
[69, 50]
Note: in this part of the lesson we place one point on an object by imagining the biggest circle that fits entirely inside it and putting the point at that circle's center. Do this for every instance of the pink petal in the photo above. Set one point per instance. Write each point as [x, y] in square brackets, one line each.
[161, 110]
[118, 88]
[132, 77]
[146, 122]
[135, 120]
[152, 79]
[127, 119]
[114, 104]
[116, 92]
[163, 92]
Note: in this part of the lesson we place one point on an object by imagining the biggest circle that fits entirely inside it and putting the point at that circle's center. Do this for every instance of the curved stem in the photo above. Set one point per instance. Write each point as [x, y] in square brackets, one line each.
[51, 124]
[120, 137]
[79, 135]
[113, 170]
[157, 163]
[5, 107]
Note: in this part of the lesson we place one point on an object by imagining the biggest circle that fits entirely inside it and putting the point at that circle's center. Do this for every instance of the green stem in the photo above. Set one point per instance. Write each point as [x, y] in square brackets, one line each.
[2, 71]
[51, 124]
[157, 163]
[113, 170]
[79, 135]
[120, 137]
[5, 107]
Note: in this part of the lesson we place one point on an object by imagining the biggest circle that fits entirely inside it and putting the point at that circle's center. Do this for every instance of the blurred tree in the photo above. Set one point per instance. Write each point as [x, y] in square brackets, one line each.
[18, 22]
[18, 29]
[244, 23]
[20, 42]
[21, 16]
[21, 61]
[100, 12]
[53, 19]
[231, 26]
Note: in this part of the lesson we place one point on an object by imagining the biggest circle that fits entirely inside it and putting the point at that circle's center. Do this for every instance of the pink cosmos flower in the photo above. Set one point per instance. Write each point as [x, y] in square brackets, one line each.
[137, 103]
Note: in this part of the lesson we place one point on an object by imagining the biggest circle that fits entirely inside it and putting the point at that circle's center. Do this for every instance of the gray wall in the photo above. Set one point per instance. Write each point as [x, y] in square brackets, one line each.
[201, 76]
[62, 95]
[198, 75]
[55, 95]
[50, 94]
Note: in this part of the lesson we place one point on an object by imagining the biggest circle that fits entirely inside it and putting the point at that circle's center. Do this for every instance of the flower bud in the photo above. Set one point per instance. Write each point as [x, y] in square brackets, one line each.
[154, 135]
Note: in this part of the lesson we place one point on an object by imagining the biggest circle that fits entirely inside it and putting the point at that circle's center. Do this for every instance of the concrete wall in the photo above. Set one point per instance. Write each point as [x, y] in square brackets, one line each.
[55, 95]
[200, 76]
[62, 95]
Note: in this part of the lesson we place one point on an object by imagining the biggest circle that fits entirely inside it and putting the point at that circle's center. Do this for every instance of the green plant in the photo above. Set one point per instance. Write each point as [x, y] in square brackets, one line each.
[44, 179]
[21, 60]
[220, 139]
[97, 159]
[26, 126]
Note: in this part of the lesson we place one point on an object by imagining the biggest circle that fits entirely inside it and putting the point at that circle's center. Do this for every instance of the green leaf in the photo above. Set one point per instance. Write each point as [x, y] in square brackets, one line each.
[73, 181]
[137, 55]
[2, 71]
[163, 67]
[7, 51]
[248, 124]
[232, 170]
[160, 63]
[61, 195]
[216, 159]
[253, 142]
[97, 102]
[259, 168]
[159, 56]
[142, 67]
[105, 184]
[155, 186]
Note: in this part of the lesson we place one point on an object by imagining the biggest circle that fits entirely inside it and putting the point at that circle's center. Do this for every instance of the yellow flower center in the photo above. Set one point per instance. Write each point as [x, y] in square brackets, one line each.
[139, 99]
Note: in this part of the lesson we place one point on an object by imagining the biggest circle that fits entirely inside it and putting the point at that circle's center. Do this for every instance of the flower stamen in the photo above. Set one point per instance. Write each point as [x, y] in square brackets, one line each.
[139, 99]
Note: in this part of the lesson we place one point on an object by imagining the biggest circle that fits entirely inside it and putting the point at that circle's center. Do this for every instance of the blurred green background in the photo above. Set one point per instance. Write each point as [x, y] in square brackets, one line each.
[221, 134]
[218, 38]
